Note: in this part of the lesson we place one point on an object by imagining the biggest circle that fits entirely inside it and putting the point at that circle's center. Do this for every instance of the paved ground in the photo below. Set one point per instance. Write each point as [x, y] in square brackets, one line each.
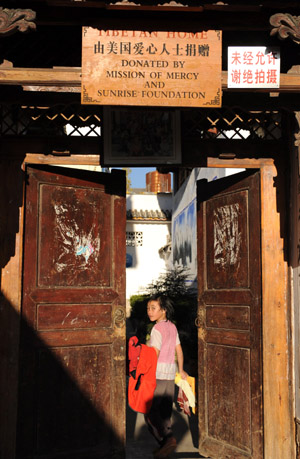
[140, 444]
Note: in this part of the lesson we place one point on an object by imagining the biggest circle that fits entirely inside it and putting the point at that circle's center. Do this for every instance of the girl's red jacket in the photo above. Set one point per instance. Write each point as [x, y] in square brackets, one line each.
[142, 379]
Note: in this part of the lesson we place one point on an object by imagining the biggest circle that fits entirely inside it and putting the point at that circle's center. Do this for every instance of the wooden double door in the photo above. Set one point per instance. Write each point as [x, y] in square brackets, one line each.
[72, 360]
[72, 372]
[229, 317]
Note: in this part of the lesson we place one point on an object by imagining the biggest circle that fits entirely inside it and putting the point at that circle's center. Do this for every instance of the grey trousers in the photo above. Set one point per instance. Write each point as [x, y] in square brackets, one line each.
[159, 417]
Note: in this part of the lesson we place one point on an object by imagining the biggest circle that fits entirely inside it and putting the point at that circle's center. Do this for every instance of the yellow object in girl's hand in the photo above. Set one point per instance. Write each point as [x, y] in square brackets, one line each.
[188, 387]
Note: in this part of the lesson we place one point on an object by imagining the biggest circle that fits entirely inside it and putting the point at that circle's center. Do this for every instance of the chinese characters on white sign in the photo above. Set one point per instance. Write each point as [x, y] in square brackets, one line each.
[253, 67]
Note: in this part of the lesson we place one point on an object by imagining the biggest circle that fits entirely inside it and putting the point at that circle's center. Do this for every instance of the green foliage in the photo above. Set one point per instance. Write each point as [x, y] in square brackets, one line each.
[138, 305]
[139, 317]
[173, 283]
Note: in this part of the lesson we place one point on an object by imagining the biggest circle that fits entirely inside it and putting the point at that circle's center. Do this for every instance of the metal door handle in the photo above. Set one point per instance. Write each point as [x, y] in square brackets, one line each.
[119, 317]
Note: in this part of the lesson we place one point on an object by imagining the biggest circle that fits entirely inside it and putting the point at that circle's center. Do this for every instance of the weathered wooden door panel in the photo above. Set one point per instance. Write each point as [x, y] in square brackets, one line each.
[229, 317]
[72, 365]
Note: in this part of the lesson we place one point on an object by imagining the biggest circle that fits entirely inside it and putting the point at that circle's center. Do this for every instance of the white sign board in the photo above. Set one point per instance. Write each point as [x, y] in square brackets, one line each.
[253, 67]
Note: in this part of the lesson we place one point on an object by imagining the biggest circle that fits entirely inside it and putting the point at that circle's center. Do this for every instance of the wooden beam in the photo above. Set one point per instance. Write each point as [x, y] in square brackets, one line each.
[57, 76]
[11, 202]
[68, 79]
[71, 160]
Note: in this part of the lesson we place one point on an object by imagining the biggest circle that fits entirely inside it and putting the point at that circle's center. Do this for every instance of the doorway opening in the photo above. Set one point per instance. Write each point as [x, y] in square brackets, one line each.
[183, 252]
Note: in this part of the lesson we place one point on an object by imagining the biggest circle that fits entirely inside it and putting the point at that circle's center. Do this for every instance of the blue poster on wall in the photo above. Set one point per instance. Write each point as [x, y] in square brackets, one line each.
[128, 260]
[184, 234]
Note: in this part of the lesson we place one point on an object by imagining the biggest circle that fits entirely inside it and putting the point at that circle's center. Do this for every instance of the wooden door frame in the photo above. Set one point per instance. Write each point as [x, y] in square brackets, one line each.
[279, 430]
[11, 288]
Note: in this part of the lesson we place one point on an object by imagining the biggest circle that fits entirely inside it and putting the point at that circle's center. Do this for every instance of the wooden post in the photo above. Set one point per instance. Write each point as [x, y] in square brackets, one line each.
[10, 300]
[278, 408]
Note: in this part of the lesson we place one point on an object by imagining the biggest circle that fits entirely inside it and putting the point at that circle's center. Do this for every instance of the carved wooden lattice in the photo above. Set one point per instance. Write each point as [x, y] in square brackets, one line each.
[59, 120]
[232, 123]
[74, 119]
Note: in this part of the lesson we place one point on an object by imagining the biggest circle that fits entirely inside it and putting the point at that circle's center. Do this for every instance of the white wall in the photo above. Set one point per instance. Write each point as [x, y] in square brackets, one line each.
[184, 223]
[146, 261]
[159, 201]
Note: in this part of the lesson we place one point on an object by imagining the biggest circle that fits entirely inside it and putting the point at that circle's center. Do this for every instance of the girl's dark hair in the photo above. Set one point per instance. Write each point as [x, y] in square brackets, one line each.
[165, 303]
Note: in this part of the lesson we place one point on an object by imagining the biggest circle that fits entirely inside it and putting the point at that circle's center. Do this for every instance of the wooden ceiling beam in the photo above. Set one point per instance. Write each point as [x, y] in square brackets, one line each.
[68, 79]
[57, 76]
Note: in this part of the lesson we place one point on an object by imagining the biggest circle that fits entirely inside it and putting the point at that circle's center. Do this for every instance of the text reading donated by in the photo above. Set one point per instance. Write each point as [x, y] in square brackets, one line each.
[121, 67]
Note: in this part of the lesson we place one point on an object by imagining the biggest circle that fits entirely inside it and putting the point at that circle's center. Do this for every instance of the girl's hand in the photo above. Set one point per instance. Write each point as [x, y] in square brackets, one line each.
[183, 374]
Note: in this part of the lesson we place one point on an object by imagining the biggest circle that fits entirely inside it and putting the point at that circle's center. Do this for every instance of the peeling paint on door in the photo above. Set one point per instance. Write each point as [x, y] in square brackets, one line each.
[73, 240]
[227, 237]
[84, 248]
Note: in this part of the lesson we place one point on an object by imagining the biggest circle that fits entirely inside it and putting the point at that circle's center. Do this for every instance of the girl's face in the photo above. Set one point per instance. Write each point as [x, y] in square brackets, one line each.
[154, 311]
